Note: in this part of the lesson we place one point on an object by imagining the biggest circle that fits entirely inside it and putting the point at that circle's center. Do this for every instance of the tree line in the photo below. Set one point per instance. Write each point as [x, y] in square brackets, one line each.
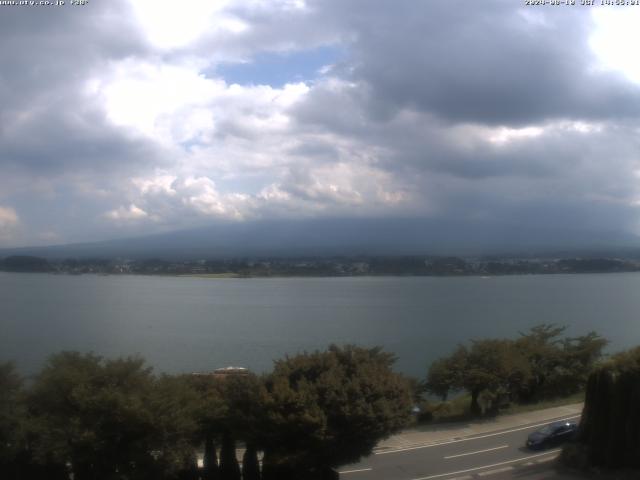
[541, 364]
[98, 418]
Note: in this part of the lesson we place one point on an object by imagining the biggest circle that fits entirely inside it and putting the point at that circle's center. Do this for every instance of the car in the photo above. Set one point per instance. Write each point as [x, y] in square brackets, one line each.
[552, 435]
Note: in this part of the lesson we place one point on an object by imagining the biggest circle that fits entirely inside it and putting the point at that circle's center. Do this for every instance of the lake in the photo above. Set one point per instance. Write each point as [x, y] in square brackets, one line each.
[196, 324]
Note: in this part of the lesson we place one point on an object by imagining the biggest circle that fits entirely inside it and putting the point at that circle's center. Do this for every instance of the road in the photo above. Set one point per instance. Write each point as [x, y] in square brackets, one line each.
[494, 455]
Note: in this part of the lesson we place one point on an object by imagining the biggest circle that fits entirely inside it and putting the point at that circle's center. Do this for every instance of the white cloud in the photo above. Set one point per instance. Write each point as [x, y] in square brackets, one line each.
[201, 194]
[175, 104]
[169, 24]
[160, 183]
[8, 217]
[504, 135]
[8, 222]
[130, 213]
[615, 40]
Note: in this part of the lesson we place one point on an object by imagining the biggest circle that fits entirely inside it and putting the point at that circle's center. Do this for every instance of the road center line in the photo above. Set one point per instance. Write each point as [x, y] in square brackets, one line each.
[479, 451]
[487, 466]
[355, 471]
[447, 442]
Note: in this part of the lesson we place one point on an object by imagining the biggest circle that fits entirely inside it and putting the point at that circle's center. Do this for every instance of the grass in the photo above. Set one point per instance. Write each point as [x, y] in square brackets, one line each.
[457, 409]
[558, 402]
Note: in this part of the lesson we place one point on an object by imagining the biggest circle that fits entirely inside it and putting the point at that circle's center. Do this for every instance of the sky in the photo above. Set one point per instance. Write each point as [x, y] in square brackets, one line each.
[124, 118]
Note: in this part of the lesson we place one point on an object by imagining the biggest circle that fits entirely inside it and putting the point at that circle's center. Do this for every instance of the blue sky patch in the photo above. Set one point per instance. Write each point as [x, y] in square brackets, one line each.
[278, 69]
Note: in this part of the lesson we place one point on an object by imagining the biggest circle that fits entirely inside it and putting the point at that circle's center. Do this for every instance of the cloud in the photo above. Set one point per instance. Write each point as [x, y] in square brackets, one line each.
[8, 217]
[8, 222]
[132, 212]
[492, 63]
[491, 112]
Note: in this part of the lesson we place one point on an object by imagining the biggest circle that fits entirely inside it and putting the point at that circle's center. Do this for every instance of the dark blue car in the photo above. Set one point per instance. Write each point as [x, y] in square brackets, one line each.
[552, 435]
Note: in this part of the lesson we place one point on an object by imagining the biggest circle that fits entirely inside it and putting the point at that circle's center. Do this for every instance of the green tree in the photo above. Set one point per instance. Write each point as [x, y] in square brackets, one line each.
[542, 348]
[329, 408]
[580, 356]
[93, 414]
[245, 398]
[229, 467]
[175, 406]
[491, 365]
[539, 364]
[250, 464]
[559, 366]
[212, 414]
[12, 422]
[609, 433]
[445, 374]
[495, 366]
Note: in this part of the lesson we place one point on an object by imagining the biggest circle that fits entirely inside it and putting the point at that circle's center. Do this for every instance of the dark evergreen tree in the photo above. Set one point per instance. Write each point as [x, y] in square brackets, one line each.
[610, 425]
[210, 470]
[250, 464]
[11, 416]
[229, 468]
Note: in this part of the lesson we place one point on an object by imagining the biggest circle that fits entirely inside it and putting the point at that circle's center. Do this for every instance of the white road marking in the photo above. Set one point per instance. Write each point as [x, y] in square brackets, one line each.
[494, 471]
[478, 451]
[474, 438]
[543, 460]
[487, 466]
[355, 471]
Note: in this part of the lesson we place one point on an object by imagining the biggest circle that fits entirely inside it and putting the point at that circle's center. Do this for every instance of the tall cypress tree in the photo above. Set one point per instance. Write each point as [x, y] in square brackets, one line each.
[229, 468]
[210, 462]
[610, 425]
[250, 465]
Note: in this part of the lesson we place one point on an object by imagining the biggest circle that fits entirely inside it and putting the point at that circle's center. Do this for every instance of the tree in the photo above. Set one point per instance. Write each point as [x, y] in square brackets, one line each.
[93, 414]
[539, 364]
[250, 465]
[609, 433]
[541, 347]
[210, 470]
[211, 414]
[445, 374]
[229, 468]
[491, 365]
[174, 406]
[559, 366]
[580, 356]
[245, 398]
[12, 422]
[329, 408]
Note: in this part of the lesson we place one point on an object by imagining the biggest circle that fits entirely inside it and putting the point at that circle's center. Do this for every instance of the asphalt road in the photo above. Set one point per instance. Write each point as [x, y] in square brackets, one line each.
[493, 455]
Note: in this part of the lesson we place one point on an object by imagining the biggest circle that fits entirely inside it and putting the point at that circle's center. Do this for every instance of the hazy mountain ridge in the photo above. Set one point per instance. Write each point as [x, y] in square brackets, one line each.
[329, 237]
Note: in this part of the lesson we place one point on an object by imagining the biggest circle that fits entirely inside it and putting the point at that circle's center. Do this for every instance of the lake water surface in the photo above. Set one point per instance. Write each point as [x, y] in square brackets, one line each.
[193, 324]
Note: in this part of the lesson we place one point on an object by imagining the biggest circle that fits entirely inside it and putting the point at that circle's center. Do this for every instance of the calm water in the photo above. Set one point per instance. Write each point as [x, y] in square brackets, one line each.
[191, 324]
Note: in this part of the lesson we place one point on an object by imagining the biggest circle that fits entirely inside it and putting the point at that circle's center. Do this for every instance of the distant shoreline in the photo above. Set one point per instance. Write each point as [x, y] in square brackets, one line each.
[413, 266]
[232, 275]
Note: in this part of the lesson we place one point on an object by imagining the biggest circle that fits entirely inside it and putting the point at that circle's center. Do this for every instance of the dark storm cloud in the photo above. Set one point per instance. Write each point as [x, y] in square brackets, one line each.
[432, 84]
[48, 122]
[65, 138]
[493, 62]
